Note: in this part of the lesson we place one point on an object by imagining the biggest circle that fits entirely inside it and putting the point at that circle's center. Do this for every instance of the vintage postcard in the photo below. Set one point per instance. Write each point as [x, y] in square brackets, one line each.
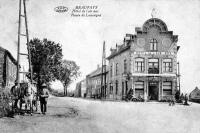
[99, 66]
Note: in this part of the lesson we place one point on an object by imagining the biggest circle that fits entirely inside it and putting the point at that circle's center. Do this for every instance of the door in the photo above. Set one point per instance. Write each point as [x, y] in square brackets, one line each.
[153, 90]
[122, 90]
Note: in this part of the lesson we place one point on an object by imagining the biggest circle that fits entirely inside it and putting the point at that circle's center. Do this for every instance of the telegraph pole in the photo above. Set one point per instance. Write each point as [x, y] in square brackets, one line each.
[18, 44]
[103, 72]
[104, 58]
[179, 85]
[26, 35]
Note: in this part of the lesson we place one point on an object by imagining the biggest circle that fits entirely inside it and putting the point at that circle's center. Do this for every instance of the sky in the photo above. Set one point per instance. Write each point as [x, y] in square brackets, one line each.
[82, 37]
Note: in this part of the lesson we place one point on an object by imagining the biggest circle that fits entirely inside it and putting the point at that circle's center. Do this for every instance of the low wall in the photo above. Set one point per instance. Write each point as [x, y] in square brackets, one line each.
[5, 103]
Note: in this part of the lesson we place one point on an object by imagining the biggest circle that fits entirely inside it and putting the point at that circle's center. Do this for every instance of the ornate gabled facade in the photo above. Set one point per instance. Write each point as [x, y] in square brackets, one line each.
[145, 62]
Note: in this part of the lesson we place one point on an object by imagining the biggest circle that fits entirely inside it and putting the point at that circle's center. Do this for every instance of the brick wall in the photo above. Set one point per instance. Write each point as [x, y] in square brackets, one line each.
[121, 76]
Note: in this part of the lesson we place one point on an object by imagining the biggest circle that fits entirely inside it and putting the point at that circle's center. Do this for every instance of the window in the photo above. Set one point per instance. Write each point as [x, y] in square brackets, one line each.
[139, 63]
[126, 87]
[122, 88]
[116, 69]
[125, 66]
[167, 88]
[153, 66]
[111, 69]
[167, 65]
[116, 87]
[105, 90]
[139, 88]
[111, 88]
[153, 44]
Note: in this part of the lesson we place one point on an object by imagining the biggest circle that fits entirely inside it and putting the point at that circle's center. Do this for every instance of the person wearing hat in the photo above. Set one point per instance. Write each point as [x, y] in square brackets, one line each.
[15, 92]
[44, 98]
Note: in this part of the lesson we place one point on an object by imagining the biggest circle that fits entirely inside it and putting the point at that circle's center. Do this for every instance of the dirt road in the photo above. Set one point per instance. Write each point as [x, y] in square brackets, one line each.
[72, 115]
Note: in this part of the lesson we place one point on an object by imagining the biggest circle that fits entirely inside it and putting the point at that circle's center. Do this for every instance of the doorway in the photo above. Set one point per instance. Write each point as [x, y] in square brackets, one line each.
[153, 91]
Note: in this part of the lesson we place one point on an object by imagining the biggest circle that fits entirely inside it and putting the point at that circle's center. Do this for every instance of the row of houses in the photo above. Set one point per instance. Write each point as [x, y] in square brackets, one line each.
[80, 90]
[145, 62]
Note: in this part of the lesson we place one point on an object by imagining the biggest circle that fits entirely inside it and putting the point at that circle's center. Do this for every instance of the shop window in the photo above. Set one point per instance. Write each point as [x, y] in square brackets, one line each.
[139, 88]
[167, 65]
[139, 64]
[167, 88]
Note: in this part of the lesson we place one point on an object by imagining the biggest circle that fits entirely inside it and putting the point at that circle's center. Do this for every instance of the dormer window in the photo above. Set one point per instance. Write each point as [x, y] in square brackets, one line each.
[153, 44]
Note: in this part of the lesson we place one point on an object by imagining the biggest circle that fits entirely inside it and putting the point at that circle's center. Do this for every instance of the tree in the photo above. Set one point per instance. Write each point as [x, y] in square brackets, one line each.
[69, 71]
[46, 59]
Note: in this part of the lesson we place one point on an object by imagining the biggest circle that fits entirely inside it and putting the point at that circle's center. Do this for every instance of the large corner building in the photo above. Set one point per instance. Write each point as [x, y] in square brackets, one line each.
[145, 62]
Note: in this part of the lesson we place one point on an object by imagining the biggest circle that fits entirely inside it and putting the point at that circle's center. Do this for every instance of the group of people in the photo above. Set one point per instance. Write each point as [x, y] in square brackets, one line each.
[183, 99]
[18, 95]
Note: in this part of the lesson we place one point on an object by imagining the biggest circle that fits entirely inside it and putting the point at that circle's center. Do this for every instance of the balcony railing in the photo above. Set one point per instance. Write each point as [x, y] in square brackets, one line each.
[153, 70]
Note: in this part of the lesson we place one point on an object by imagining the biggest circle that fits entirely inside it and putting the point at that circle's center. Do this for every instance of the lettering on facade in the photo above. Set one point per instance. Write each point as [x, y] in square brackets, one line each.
[153, 53]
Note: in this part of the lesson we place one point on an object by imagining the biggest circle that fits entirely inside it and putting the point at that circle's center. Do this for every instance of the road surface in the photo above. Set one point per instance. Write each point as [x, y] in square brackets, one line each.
[73, 115]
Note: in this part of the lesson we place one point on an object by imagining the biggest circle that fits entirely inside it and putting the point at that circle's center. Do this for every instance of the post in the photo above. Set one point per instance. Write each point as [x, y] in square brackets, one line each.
[103, 71]
[18, 44]
[101, 80]
[179, 77]
[27, 37]
[104, 58]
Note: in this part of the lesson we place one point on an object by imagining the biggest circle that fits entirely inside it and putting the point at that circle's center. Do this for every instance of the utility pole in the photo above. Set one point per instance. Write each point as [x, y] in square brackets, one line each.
[18, 44]
[26, 35]
[104, 58]
[103, 73]
[178, 76]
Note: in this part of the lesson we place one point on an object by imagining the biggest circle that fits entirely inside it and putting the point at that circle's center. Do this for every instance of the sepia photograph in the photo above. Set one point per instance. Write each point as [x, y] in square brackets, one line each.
[99, 66]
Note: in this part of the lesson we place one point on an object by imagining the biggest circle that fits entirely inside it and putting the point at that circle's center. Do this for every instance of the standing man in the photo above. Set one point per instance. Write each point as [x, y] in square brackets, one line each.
[186, 100]
[15, 92]
[43, 98]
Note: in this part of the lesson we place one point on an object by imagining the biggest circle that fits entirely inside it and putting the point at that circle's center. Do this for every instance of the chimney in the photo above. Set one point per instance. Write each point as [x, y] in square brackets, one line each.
[138, 29]
[124, 40]
[117, 47]
[112, 50]
[129, 37]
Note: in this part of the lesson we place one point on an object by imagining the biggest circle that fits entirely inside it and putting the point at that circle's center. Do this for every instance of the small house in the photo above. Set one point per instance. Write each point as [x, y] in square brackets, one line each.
[195, 95]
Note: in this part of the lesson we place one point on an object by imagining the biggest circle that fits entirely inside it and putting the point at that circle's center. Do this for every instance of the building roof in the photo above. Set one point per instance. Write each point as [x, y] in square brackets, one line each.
[9, 54]
[122, 48]
[195, 90]
[97, 72]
